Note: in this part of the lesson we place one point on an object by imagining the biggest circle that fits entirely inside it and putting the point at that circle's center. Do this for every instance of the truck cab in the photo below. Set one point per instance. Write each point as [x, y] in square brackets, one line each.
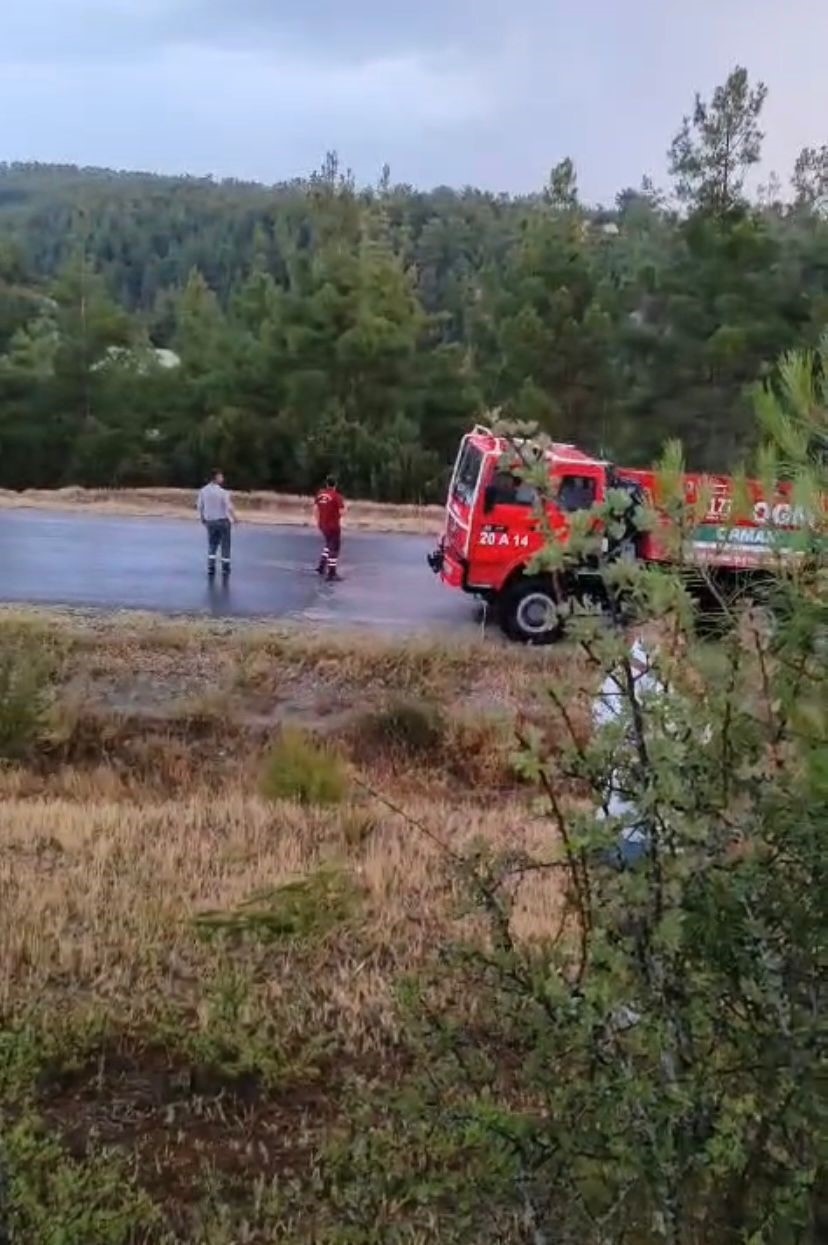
[494, 527]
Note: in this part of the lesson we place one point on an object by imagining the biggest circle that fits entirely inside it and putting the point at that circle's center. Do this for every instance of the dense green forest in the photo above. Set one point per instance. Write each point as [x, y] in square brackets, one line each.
[151, 326]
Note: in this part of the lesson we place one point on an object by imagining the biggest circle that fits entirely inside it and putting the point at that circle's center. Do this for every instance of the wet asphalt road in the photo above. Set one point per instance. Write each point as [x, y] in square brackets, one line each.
[61, 558]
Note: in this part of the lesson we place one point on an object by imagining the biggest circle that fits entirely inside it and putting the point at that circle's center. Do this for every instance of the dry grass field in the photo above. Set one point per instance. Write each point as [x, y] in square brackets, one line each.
[222, 850]
[261, 507]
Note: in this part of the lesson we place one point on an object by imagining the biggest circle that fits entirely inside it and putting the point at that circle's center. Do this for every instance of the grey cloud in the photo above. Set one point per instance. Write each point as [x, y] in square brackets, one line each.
[50, 31]
[363, 28]
[337, 31]
[491, 92]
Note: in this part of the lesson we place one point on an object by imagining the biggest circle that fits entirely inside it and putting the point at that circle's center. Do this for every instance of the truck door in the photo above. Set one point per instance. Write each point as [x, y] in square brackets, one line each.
[505, 531]
[462, 496]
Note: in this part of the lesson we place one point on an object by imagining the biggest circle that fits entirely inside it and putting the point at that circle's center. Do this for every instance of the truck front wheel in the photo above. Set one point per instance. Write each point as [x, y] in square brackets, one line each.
[529, 612]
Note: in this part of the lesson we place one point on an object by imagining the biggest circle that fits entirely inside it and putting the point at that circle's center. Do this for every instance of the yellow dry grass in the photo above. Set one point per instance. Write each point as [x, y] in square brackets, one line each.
[155, 660]
[253, 507]
[224, 1063]
[145, 813]
[98, 899]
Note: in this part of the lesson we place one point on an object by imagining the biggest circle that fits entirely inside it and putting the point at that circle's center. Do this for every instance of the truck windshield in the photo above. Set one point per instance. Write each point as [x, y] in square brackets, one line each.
[468, 470]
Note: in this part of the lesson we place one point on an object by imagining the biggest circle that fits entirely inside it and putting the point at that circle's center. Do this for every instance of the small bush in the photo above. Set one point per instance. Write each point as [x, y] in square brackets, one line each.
[404, 727]
[54, 1199]
[298, 768]
[25, 694]
[480, 750]
[357, 825]
[304, 908]
[240, 1043]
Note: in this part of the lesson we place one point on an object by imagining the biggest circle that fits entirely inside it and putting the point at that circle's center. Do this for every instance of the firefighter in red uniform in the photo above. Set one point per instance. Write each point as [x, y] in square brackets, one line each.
[329, 504]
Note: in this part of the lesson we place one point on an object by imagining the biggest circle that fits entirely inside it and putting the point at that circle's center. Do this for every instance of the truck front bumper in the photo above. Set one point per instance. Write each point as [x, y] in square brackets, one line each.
[451, 568]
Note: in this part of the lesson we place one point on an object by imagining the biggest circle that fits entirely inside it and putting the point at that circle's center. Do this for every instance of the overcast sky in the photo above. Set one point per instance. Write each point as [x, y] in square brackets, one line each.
[489, 92]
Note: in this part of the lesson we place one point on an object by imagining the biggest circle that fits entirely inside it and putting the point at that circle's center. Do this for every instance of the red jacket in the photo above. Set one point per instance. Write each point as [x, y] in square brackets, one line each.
[329, 506]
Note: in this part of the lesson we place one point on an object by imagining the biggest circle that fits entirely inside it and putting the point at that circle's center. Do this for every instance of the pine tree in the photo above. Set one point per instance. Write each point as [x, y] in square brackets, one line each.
[810, 179]
[715, 148]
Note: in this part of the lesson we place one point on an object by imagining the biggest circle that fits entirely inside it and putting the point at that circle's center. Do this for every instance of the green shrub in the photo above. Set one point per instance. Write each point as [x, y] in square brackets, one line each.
[299, 768]
[404, 726]
[52, 1199]
[303, 908]
[25, 695]
[651, 1066]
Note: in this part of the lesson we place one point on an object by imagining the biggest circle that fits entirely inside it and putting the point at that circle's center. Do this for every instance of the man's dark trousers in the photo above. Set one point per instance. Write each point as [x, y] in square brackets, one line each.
[218, 537]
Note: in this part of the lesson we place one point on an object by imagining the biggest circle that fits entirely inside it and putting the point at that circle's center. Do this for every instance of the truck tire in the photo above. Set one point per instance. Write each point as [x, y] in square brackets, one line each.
[529, 612]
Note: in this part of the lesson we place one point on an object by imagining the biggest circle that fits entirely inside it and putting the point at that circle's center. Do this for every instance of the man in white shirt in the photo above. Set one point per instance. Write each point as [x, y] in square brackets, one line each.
[662, 705]
[611, 706]
[215, 509]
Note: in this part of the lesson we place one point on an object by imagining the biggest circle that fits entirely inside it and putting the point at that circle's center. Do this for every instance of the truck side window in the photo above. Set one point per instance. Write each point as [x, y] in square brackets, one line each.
[507, 489]
[576, 493]
[468, 470]
[526, 494]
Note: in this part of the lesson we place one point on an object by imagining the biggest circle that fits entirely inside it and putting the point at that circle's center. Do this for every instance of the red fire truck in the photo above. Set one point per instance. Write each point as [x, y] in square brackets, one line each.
[494, 531]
